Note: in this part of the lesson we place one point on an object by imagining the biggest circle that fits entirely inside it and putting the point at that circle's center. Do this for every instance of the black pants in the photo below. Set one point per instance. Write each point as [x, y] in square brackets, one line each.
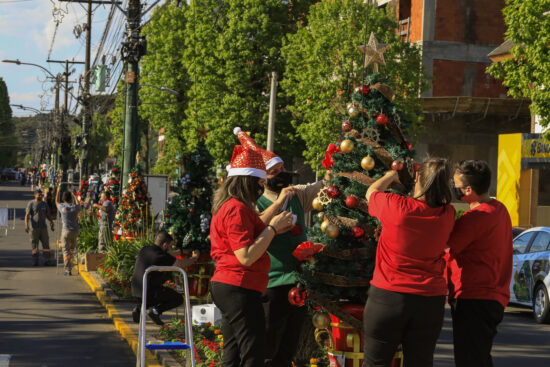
[283, 324]
[163, 299]
[475, 324]
[392, 318]
[243, 325]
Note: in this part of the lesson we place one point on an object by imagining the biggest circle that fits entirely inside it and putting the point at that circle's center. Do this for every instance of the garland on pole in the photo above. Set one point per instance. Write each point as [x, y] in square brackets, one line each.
[134, 212]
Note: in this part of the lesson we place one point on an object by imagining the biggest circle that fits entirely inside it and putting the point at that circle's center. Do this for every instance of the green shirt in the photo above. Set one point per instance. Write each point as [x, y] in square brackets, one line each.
[283, 264]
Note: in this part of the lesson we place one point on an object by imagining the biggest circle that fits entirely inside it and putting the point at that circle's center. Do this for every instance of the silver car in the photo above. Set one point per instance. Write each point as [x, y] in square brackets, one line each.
[530, 283]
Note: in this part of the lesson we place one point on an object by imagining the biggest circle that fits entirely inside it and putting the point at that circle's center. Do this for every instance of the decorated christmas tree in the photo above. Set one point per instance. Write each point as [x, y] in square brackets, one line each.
[134, 212]
[188, 215]
[113, 186]
[371, 143]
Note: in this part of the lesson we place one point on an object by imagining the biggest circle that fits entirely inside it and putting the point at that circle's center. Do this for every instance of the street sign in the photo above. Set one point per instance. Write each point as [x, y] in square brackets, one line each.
[130, 77]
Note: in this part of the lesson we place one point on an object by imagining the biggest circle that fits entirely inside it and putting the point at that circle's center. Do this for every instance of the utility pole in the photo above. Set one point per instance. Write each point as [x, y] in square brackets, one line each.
[86, 113]
[65, 139]
[272, 102]
[132, 50]
[55, 152]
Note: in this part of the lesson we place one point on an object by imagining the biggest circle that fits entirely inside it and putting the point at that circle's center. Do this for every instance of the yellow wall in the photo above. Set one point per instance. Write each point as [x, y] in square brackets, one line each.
[509, 174]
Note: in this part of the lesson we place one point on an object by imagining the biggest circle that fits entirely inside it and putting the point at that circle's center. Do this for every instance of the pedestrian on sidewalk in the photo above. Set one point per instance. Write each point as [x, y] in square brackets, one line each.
[406, 298]
[106, 214]
[239, 242]
[159, 299]
[37, 212]
[479, 266]
[68, 211]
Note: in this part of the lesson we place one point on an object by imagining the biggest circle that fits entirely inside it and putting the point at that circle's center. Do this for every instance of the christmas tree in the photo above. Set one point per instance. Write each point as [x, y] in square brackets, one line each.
[113, 185]
[134, 212]
[372, 142]
[188, 214]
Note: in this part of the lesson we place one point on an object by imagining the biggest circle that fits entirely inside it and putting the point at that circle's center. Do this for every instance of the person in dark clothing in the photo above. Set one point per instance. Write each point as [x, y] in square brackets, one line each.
[159, 298]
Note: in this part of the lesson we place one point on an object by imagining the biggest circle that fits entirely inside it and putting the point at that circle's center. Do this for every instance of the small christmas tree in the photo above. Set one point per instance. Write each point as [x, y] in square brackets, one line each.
[372, 142]
[113, 186]
[188, 215]
[134, 212]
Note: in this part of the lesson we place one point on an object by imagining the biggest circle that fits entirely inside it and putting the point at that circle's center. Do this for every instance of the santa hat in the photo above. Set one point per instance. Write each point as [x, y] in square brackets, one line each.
[246, 162]
[270, 158]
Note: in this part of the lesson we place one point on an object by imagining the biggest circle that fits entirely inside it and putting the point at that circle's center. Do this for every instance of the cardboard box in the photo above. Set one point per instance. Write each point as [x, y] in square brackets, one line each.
[203, 314]
[93, 260]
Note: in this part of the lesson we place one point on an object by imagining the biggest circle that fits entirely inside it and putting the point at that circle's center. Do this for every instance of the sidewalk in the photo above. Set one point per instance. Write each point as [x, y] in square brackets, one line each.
[120, 312]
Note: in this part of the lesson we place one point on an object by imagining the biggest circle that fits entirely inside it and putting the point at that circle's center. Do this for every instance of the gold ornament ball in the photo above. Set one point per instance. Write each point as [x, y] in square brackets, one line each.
[353, 112]
[332, 231]
[367, 163]
[320, 216]
[320, 320]
[317, 204]
[324, 225]
[346, 146]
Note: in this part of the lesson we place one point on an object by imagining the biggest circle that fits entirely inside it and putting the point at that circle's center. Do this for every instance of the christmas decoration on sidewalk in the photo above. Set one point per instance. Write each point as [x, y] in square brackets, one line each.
[133, 216]
[341, 252]
[187, 217]
[113, 186]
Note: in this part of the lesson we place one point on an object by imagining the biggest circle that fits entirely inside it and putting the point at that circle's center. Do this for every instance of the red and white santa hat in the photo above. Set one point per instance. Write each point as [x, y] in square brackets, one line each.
[270, 158]
[246, 162]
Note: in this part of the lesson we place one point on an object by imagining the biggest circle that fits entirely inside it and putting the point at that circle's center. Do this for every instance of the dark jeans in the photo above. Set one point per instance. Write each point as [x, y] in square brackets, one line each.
[243, 325]
[392, 318]
[283, 323]
[163, 299]
[475, 324]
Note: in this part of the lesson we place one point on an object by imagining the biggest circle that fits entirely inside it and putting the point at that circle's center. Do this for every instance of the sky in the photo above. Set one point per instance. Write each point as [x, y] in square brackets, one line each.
[26, 32]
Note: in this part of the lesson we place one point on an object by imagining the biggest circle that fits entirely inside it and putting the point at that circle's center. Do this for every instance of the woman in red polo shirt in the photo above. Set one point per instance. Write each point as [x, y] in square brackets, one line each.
[239, 241]
[407, 293]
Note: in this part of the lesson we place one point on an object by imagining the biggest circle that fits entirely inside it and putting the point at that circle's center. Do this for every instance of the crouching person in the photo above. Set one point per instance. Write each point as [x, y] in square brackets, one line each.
[159, 298]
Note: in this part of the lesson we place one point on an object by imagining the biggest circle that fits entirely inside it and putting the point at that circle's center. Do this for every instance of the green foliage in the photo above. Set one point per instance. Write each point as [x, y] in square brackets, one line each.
[324, 65]
[527, 74]
[133, 215]
[88, 232]
[8, 139]
[163, 66]
[188, 214]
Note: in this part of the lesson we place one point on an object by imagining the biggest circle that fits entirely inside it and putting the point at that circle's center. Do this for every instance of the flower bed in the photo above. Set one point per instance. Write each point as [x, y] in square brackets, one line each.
[208, 342]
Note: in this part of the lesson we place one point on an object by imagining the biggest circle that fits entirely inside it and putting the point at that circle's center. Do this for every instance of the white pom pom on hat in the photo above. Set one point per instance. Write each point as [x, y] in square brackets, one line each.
[236, 130]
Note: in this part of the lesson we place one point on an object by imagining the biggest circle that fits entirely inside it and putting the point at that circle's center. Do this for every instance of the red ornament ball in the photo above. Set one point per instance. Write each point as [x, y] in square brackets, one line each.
[406, 145]
[397, 165]
[352, 201]
[191, 210]
[297, 296]
[382, 119]
[363, 89]
[332, 192]
[346, 126]
[357, 232]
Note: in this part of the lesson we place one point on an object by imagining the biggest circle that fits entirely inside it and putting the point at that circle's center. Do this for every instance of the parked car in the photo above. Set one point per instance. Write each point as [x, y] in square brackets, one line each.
[530, 284]
[516, 231]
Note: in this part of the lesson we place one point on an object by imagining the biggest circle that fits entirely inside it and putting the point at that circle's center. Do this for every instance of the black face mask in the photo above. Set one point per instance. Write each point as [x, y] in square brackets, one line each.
[456, 191]
[279, 182]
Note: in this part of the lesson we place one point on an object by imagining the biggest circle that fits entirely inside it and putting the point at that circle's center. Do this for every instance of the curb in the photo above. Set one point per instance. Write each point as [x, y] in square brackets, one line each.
[159, 358]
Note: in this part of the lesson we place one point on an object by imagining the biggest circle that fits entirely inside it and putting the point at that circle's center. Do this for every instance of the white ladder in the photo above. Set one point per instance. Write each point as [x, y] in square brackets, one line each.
[188, 323]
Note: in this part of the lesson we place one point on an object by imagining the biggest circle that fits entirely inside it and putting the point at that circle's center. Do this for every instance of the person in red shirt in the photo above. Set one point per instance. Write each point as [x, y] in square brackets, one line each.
[406, 297]
[239, 240]
[479, 266]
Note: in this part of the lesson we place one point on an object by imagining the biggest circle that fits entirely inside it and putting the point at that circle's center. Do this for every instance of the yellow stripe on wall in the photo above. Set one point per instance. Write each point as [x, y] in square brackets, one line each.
[509, 172]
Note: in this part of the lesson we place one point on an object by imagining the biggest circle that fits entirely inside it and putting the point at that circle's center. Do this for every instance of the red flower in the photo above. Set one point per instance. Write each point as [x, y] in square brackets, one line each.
[328, 161]
[332, 148]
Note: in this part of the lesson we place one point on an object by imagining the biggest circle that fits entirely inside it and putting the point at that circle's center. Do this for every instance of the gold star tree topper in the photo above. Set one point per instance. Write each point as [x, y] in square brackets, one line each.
[374, 52]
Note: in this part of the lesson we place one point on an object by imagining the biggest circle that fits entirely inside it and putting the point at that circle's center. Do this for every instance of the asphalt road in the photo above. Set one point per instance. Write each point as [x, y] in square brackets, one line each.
[47, 319]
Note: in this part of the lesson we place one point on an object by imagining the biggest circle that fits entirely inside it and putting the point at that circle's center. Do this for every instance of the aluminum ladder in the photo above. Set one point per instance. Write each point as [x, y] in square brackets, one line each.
[140, 362]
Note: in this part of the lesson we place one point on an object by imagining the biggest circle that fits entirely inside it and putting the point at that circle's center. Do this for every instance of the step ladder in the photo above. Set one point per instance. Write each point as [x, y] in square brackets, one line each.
[140, 360]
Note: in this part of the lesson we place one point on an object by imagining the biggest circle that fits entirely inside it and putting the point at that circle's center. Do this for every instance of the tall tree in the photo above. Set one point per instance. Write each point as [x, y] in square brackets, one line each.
[323, 67]
[8, 152]
[527, 74]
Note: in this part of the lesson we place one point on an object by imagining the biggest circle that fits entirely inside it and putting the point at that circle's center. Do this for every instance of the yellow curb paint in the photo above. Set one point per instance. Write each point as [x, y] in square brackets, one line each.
[127, 333]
